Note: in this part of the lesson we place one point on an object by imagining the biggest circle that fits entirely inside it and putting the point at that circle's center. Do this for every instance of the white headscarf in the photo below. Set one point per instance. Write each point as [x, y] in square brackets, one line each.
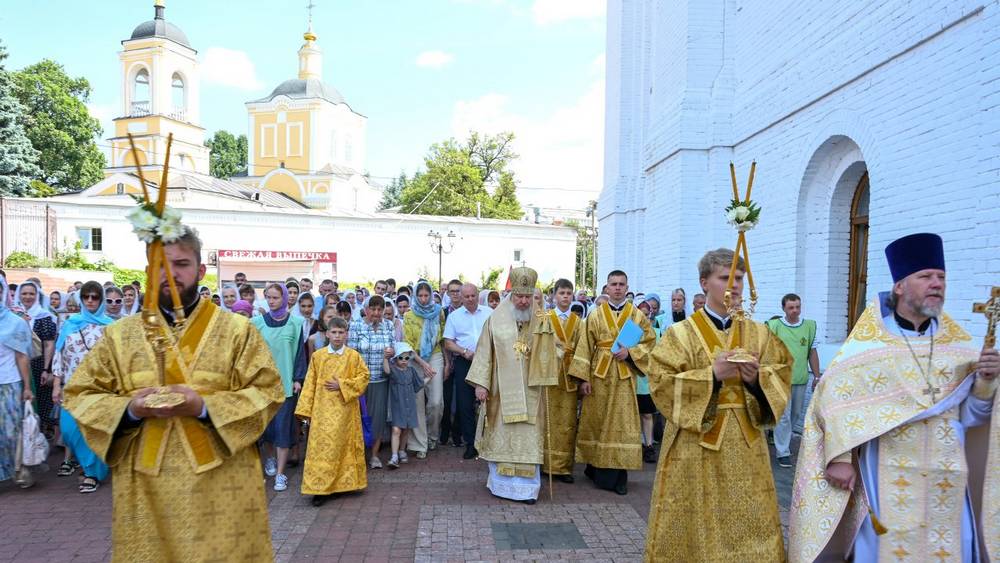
[38, 310]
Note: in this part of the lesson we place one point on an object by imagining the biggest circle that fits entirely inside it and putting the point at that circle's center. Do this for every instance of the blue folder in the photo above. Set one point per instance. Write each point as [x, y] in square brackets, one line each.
[629, 336]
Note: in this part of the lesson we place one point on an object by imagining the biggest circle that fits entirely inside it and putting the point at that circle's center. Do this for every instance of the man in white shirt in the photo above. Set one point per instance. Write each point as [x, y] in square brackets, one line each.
[461, 334]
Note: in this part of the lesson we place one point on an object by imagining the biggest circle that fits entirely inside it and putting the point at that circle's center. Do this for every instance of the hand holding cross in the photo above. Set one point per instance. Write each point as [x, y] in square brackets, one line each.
[989, 361]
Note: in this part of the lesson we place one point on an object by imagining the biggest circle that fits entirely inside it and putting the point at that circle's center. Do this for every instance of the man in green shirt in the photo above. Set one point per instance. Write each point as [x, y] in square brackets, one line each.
[799, 335]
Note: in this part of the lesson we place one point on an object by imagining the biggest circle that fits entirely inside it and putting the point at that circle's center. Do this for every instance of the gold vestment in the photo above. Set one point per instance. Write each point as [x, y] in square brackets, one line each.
[609, 435]
[335, 459]
[183, 489]
[714, 497]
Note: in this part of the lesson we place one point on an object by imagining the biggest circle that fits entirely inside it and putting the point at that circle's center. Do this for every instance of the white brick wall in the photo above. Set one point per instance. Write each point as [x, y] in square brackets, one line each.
[817, 93]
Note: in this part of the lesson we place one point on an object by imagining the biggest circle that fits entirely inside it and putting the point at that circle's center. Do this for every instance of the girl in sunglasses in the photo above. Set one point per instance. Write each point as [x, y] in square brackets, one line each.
[405, 382]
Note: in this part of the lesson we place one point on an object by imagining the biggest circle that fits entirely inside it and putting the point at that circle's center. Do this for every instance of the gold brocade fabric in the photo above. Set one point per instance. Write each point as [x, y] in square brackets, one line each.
[991, 489]
[608, 435]
[560, 440]
[335, 459]
[177, 514]
[506, 374]
[870, 390]
[714, 497]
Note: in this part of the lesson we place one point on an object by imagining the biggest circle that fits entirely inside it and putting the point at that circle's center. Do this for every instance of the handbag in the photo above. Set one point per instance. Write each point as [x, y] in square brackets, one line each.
[36, 346]
[366, 424]
[35, 448]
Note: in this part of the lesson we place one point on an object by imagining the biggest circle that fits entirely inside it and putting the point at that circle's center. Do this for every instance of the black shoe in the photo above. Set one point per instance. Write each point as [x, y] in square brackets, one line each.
[293, 463]
[648, 454]
[318, 500]
[589, 471]
[621, 489]
[529, 501]
[457, 444]
[564, 478]
[784, 461]
[470, 453]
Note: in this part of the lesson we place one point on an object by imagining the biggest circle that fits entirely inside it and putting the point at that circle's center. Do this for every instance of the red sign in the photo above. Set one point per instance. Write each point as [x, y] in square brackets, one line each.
[276, 256]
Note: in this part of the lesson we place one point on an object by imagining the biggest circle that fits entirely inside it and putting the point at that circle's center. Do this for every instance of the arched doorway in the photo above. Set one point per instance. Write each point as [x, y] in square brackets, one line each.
[858, 275]
[828, 251]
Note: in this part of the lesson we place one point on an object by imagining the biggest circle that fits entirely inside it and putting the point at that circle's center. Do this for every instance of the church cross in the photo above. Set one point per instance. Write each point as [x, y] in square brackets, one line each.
[991, 309]
[310, 7]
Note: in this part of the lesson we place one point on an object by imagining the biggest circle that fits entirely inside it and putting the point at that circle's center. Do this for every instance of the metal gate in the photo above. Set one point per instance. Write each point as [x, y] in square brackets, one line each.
[27, 226]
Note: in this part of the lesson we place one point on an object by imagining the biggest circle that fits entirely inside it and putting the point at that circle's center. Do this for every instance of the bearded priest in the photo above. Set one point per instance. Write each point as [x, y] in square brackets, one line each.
[883, 471]
[516, 361]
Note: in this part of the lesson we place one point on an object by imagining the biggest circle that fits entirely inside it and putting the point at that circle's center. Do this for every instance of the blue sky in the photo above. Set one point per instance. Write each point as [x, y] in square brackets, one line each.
[421, 71]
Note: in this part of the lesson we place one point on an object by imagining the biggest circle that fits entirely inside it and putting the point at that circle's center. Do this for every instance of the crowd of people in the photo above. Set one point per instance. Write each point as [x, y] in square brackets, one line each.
[532, 380]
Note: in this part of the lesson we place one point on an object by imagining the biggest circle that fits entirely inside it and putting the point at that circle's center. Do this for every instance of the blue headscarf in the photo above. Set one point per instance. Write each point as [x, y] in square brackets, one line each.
[431, 313]
[82, 319]
[14, 332]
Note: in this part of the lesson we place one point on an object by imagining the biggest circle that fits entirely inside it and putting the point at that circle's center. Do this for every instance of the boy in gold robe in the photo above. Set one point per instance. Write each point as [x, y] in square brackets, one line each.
[337, 378]
[560, 437]
[186, 478]
[609, 437]
[714, 496]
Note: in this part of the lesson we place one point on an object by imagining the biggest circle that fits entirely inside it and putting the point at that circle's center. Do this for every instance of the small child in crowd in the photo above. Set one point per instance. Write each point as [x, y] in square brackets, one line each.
[404, 384]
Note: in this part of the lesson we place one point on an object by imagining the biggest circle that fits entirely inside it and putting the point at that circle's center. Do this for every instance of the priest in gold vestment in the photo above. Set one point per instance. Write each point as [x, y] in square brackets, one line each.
[515, 362]
[891, 452]
[609, 435]
[714, 497]
[187, 481]
[560, 436]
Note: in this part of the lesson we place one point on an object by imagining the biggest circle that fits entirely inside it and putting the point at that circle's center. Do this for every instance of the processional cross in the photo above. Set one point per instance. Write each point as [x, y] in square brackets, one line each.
[991, 309]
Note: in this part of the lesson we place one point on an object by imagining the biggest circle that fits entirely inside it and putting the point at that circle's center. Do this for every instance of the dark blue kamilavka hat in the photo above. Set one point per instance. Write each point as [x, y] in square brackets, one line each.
[912, 253]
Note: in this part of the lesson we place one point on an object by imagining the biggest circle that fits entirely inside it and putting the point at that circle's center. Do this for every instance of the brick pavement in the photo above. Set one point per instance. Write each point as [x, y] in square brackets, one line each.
[436, 509]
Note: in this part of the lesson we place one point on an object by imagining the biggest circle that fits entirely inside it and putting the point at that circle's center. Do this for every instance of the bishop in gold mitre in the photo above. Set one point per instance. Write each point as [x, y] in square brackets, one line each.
[714, 497]
[894, 446]
[516, 360]
[187, 480]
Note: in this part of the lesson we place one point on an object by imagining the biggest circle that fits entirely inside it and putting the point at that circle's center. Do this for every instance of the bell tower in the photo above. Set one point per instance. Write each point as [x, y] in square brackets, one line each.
[159, 94]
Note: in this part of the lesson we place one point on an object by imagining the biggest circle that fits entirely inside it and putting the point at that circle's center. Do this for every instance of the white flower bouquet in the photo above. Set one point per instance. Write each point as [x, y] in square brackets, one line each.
[744, 215]
[149, 227]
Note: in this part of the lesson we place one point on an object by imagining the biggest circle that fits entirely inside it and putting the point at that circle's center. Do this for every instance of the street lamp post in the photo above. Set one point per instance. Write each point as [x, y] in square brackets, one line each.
[439, 247]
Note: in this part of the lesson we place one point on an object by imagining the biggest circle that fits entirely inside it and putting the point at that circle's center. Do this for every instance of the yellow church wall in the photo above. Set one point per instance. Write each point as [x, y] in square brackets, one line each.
[129, 189]
[276, 142]
[285, 184]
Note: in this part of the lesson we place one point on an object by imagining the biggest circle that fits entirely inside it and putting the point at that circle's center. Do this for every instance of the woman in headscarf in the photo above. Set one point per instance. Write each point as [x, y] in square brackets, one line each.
[204, 292]
[493, 299]
[130, 300]
[391, 314]
[484, 297]
[57, 304]
[283, 334]
[423, 327]
[76, 337]
[43, 324]
[373, 338]
[15, 381]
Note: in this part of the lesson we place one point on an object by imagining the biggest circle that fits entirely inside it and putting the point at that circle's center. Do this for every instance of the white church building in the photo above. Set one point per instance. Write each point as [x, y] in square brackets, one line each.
[868, 121]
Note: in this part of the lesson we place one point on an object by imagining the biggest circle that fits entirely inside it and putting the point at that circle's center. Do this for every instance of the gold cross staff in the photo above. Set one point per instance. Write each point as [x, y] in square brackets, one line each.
[991, 309]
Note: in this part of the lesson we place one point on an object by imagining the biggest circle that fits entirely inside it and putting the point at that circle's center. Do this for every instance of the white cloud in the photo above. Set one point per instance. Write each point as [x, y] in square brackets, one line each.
[434, 59]
[547, 12]
[229, 67]
[563, 149]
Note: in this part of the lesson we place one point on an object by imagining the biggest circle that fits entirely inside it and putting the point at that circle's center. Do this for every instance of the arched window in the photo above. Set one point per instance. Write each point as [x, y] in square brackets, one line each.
[858, 280]
[140, 93]
[178, 104]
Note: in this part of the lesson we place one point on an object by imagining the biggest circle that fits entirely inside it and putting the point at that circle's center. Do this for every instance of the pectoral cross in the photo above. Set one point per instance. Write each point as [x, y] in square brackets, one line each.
[932, 391]
[991, 309]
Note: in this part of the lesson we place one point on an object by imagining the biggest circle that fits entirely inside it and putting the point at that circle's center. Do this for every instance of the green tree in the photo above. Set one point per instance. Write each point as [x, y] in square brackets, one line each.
[228, 156]
[59, 125]
[18, 159]
[393, 192]
[459, 179]
[584, 255]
